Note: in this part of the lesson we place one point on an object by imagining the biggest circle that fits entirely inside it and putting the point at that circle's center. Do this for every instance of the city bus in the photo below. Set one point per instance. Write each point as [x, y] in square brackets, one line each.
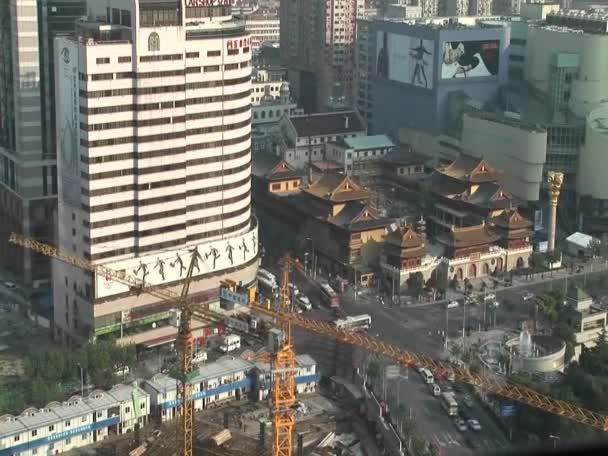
[356, 323]
[329, 296]
[449, 404]
[268, 288]
[266, 275]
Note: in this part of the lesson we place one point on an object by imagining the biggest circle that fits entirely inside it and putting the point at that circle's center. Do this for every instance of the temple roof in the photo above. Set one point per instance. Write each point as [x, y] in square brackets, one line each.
[272, 168]
[470, 169]
[357, 216]
[337, 188]
[405, 237]
[511, 219]
[468, 236]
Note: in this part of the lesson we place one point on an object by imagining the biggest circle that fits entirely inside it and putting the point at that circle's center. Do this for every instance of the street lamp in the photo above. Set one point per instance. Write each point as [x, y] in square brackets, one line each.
[81, 380]
[306, 254]
[313, 257]
[555, 439]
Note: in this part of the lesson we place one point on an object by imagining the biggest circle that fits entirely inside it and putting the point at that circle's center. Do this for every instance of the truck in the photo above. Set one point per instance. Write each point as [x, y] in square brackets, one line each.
[230, 343]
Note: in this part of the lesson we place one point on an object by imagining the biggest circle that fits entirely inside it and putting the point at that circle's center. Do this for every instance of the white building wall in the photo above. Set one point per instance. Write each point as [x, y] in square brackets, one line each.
[519, 150]
[148, 206]
[593, 159]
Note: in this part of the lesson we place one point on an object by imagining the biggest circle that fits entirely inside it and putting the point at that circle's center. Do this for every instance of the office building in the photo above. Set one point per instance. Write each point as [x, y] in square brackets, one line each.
[154, 126]
[317, 40]
[263, 27]
[428, 75]
[305, 137]
[28, 175]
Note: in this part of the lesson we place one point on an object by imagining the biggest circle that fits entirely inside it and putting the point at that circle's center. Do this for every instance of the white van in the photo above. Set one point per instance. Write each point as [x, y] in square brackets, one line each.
[230, 343]
[435, 389]
[304, 302]
[199, 357]
[427, 376]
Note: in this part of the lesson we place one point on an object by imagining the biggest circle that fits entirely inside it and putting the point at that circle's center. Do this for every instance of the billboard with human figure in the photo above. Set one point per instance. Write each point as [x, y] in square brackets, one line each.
[470, 59]
[405, 59]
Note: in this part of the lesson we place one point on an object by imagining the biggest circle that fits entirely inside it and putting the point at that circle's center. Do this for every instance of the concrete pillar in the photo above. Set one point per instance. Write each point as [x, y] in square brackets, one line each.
[555, 180]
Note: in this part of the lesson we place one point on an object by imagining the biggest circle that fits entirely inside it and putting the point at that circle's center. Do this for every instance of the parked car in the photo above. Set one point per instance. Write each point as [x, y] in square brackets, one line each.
[458, 387]
[474, 425]
[461, 425]
[527, 296]
[9, 285]
[452, 304]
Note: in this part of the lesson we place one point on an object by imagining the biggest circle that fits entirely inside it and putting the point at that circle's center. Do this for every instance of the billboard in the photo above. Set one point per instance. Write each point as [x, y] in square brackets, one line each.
[405, 59]
[68, 129]
[470, 59]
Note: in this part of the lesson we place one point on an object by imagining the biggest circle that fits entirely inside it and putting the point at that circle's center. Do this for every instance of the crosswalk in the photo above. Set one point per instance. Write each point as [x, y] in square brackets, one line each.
[448, 439]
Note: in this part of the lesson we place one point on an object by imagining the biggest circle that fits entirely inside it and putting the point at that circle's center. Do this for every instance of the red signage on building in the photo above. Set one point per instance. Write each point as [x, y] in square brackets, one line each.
[195, 3]
[237, 44]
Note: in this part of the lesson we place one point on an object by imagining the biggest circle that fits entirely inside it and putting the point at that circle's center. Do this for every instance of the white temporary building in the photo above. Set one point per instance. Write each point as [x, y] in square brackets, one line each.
[579, 244]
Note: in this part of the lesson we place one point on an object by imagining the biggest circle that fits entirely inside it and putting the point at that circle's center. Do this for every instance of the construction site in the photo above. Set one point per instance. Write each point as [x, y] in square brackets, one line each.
[272, 401]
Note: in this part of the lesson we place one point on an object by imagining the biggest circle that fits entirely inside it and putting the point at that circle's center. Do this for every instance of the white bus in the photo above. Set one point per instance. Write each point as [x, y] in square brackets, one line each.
[329, 296]
[266, 275]
[427, 375]
[356, 323]
[230, 342]
[268, 288]
[449, 404]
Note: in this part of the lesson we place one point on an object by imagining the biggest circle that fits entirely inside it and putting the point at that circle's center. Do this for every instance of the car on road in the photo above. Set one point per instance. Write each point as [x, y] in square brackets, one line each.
[461, 425]
[468, 401]
[474, 424]
[490, 297]
[9, 285]
[452, 304]
[458, 387]
[445, 386]
[473, 442]
[527, 296]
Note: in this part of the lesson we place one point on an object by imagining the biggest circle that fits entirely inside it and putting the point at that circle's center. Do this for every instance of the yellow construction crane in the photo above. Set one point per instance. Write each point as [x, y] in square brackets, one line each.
[282, 361]
[185, 340]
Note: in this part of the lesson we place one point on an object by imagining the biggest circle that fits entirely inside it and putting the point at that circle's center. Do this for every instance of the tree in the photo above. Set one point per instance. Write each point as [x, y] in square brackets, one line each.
[374, 371]
[536, 260]
[599, 248]
[415, 283]
[454, 282]
[441, 279]
[595, 360]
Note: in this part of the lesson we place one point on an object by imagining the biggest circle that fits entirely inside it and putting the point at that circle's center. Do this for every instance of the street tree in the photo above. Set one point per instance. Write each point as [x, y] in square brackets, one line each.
[415, 283]
[374, 371]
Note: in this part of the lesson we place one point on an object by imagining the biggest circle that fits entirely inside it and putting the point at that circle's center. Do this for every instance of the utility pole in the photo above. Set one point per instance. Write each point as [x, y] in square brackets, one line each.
[309, 154]
[446, 326]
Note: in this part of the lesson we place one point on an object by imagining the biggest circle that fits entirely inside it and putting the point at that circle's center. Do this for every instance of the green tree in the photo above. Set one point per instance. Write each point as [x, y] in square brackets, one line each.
[374, 371]
[441, 279]
[415, 283]
[595, 360]
[565, 332]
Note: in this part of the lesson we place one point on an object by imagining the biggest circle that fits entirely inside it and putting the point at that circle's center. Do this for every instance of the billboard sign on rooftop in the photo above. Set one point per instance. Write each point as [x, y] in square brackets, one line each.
[470, 59]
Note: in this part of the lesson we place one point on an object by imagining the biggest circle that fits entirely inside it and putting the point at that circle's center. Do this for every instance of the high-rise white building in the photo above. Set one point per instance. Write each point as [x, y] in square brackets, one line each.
[153, 134]
[264, 27]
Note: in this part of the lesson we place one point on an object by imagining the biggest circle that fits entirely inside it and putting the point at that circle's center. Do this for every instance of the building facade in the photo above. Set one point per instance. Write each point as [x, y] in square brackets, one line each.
[264, 27]
[75, 423]
[154, 127]
[447, 56]
[28, 167]
[317, 40]
[305, 138]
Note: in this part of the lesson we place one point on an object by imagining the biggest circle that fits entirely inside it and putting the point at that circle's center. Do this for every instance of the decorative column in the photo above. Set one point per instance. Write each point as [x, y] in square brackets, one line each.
[555, 180]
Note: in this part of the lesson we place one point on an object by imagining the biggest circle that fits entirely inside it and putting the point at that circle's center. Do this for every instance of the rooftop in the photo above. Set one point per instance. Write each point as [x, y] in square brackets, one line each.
[337, 188]
[271, 167]
[329, 123]
[368, 142]
[470, 169]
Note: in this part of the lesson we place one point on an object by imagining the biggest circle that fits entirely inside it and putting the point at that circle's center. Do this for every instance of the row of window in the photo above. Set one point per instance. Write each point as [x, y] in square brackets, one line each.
[163, 153]
[169, 214]
[160, 169]
[165, 229]
[164, 104]
[160, 74]
[163, 136]
[162, 89]
[167, 244]
[162, 120]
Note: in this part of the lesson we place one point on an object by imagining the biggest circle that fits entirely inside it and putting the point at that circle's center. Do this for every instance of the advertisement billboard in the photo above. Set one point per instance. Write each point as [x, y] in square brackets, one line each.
[405, 59]
[470, 59]
[68, 130]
